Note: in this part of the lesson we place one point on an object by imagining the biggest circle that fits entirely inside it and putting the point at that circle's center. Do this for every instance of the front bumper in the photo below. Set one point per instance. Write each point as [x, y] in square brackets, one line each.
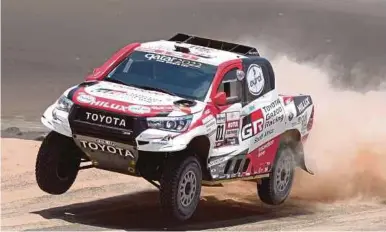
[118, 148]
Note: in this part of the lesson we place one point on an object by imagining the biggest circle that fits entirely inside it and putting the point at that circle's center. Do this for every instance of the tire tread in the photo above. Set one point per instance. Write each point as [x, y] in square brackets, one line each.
[45, 167]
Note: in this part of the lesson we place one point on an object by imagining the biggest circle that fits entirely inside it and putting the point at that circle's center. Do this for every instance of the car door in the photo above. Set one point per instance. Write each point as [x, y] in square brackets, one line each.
[262, 113]
[228, 118]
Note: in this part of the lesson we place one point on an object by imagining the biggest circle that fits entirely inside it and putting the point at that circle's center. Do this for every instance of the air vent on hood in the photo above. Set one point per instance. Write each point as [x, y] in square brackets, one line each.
[185, 103]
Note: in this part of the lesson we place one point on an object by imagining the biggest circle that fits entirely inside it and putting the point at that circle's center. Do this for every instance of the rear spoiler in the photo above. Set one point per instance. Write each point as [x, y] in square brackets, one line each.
[215, 44]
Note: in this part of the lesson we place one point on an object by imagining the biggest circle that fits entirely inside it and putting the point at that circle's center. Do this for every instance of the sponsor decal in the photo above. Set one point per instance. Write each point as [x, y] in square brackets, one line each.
[221, 118]
[210, 125]
[217, 161]
[232, 141]
[249, 109]
[302, 103]
[207, 119]
[162, 50]
[172, 60]
[105, 142]
[109, 105]
[274, 113]
[104, 147]
[262, 170]
[261, 150]
[232, 125]
[108, 91]
[231, 133]
[252, 125]
[108, 120]
[287, 100]
[255, 79]
[253, 53]
[240, 74]
[162, 108]
[290, 116]
[219, 144]
[160, 142]
[127, 132]
[201, 51]
[85, 98]
[134, 97]
[303, 119]
[139, 109]
[264, 135]
[232, 116]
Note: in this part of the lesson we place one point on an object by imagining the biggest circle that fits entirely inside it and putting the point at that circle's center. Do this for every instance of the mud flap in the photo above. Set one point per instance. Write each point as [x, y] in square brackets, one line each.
[302, 165]
[300, 158]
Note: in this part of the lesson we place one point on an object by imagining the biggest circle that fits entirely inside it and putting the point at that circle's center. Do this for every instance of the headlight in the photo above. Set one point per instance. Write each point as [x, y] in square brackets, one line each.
[174, 124]
[64, 104]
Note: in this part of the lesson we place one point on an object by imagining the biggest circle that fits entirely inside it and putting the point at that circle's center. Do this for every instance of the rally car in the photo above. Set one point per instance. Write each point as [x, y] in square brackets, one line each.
[182, 113]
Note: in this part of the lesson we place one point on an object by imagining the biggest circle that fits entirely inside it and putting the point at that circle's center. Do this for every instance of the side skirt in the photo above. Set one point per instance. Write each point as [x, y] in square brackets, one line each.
[213, 183]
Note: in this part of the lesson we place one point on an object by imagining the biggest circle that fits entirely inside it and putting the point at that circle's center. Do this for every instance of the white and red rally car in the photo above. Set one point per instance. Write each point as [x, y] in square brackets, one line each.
[183, 112]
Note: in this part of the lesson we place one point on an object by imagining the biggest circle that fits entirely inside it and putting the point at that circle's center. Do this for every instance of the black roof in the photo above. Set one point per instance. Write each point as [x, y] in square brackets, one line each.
[216, 44]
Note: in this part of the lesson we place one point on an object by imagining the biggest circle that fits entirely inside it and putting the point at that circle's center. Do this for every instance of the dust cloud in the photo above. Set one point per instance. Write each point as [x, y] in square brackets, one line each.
[347, 146]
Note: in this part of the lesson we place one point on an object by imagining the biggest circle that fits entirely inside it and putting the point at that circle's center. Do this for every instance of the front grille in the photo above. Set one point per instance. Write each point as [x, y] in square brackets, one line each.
[107, 125]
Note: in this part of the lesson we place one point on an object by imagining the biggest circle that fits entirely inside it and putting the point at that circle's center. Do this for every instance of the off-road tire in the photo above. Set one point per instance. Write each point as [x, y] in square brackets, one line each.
[57, 163]
[174, 171]
[267, 190]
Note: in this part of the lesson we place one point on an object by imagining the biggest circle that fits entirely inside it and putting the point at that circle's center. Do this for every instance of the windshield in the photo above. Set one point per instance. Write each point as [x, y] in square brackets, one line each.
[184, 78]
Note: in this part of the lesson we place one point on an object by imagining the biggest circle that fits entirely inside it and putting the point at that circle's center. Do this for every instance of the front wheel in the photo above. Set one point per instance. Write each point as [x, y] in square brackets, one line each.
[181, 187]
[57, 163]
[275, 189]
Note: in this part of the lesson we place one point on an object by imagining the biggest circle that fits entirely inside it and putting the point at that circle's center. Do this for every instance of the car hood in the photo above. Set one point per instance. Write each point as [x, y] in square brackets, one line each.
[125, 99]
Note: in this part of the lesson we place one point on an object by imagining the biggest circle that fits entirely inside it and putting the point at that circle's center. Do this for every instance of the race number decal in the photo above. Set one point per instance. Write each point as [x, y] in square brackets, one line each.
[220, 132]
[220, 120]
[255, 79]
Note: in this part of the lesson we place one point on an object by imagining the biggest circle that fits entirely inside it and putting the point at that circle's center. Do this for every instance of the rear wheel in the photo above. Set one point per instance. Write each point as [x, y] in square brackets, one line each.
[181, 187]
[57, 163]
[275, 189]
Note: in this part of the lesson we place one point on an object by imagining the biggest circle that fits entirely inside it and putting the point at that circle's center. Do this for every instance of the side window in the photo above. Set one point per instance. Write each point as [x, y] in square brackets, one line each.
[231, 86]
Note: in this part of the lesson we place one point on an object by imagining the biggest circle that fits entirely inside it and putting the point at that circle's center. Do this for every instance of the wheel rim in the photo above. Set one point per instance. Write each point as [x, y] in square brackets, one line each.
[187, 189]
[283, 174]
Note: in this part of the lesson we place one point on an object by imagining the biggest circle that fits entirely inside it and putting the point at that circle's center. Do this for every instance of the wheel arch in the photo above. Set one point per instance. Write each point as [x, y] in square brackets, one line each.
[200, 146]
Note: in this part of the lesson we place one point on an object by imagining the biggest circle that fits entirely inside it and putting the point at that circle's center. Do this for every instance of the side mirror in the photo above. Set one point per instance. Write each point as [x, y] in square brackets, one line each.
[220, 99]
[93, 75]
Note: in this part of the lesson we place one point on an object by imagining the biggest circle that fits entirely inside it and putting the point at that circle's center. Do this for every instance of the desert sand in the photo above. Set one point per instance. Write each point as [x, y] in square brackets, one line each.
[101, 199]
